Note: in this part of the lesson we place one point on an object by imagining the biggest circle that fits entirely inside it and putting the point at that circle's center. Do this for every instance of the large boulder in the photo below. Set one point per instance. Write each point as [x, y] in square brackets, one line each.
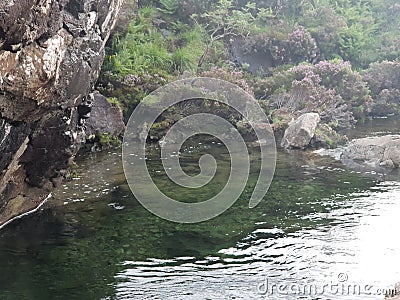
[51, 52]
[379, 151]
[300, 132]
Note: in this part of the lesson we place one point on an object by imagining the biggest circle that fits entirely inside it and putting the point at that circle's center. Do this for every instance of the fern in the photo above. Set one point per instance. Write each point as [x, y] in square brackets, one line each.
[169, 6]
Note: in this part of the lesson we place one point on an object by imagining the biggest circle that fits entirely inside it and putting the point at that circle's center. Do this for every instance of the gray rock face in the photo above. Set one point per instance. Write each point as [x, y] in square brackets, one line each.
[104, 118]
[51, 52]
[380, 151]
[259, 61]
[300, 132]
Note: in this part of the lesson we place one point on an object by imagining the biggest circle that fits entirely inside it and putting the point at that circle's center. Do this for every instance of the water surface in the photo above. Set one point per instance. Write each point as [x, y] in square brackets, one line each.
[320, 224]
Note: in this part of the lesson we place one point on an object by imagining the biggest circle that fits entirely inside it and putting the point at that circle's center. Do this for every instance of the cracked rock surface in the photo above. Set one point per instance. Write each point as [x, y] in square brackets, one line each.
[51, 52]
[379, 151]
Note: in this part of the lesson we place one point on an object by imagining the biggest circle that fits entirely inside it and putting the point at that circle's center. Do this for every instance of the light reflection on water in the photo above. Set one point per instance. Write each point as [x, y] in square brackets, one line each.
[363, 244]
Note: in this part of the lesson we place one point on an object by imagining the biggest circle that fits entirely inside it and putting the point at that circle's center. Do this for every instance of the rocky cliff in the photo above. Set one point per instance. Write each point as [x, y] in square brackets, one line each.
[51, 52]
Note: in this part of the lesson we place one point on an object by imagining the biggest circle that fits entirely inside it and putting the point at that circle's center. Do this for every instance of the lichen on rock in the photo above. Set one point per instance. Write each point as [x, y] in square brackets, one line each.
[301, 131]
[378, 151]
[51, 52]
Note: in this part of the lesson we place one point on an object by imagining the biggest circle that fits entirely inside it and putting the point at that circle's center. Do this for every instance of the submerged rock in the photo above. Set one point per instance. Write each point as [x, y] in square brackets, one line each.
[51, 53]
[379, 151]
[300, 132]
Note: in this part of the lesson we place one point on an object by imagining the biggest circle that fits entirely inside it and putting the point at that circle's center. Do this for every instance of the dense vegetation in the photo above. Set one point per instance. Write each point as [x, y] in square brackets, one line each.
[336, 57]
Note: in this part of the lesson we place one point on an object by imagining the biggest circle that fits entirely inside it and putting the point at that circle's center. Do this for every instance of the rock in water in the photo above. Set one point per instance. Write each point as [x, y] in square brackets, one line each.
[380, 151]
[300, 132]
[104, 118]
[51, 53]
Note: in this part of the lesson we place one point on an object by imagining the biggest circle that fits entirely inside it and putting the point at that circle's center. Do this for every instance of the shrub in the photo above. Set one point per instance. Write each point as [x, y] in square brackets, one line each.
[302, 46]
[127, 91]
[230, 75]
[330, 88]
[148, 49]
[324, 24]
[148, 55]
[383, 76]
[384, 81]
[271, 44]
[279, 47]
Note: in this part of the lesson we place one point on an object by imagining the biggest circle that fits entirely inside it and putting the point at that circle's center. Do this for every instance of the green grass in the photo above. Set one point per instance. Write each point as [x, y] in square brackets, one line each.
[144, 49]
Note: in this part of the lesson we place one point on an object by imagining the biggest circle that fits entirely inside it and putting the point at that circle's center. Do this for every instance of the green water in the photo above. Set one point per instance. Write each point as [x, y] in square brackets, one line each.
[319, 220]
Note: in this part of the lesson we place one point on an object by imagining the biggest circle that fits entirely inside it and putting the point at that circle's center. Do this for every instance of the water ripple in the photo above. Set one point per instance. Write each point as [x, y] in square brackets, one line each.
[345, 246]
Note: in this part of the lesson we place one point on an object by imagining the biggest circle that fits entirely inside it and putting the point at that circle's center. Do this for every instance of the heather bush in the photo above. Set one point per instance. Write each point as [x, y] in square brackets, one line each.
[384, 81]
[279, 47]
[383, 76]
[306, 42]
[330, 88]
[302, 46]
[272, 45]
[230, 75]
[130, 89]
[338, 75]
